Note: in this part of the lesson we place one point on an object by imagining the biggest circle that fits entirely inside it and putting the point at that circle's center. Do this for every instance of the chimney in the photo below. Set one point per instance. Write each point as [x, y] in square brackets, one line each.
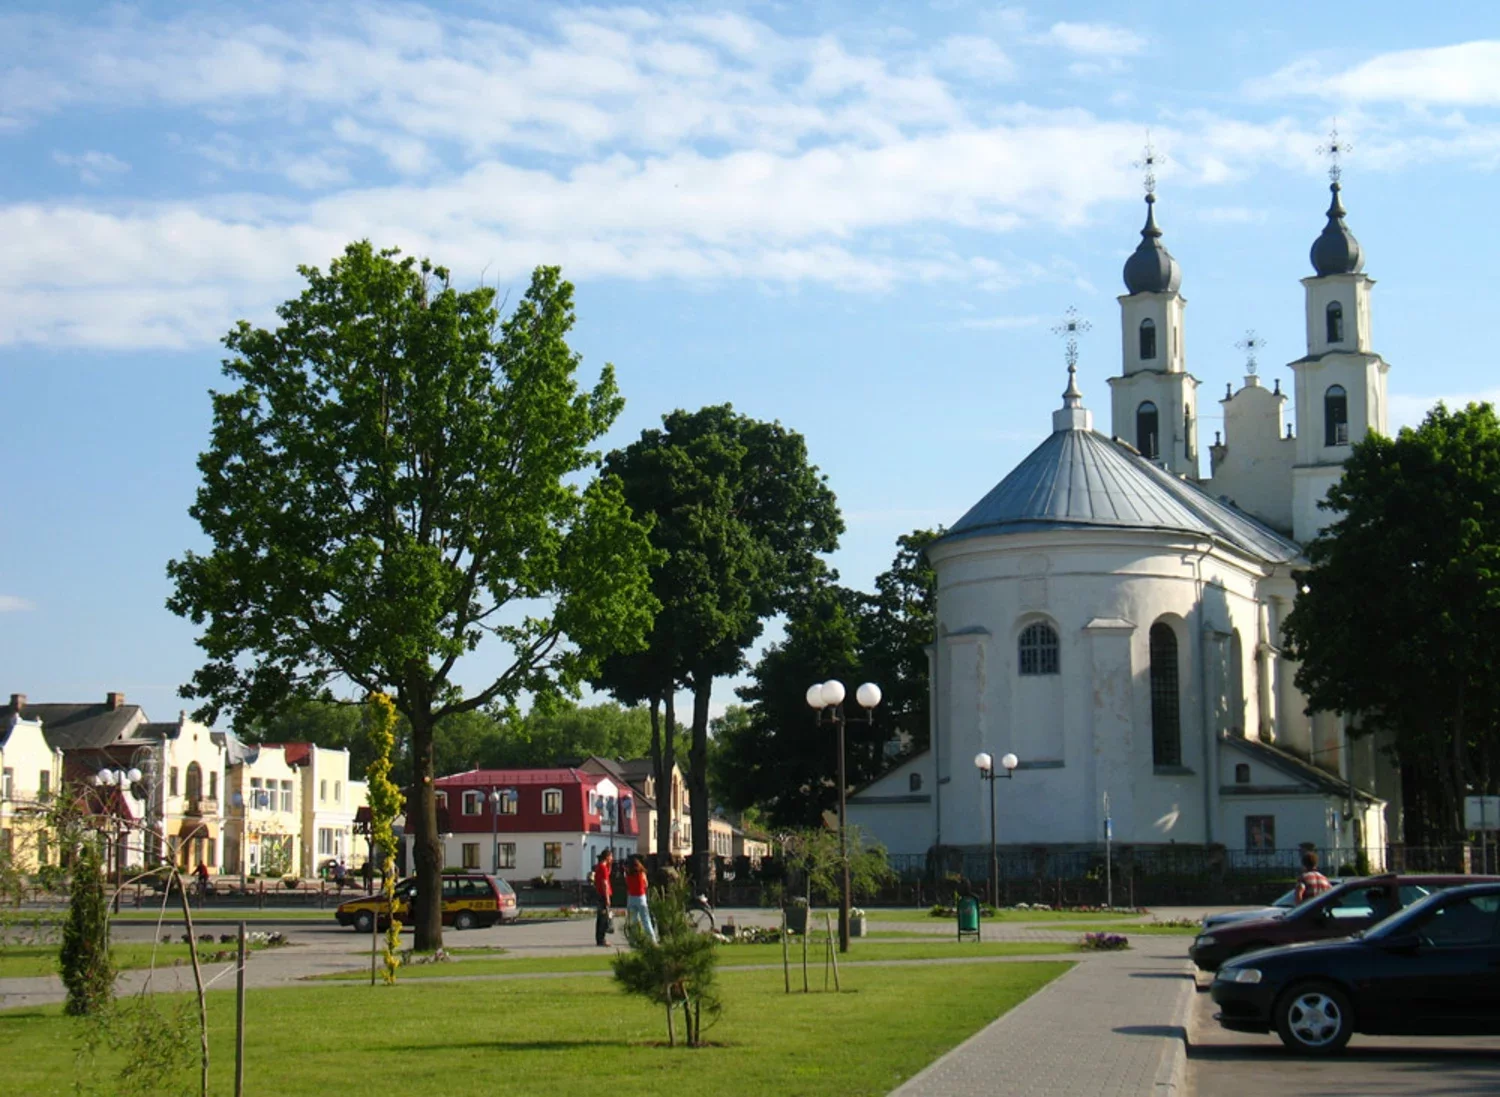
[18, 703]
[113, 700]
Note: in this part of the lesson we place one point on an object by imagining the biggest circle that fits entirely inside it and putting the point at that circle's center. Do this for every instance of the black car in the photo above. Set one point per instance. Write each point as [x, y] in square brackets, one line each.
[1431, 970]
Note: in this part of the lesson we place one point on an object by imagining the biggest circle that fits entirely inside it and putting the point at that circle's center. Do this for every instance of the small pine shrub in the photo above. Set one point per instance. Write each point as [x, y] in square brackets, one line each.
[84, 959]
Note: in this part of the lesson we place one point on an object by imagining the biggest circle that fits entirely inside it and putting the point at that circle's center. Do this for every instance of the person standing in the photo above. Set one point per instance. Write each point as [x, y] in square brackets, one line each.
[601, 894]
[340, 874]
[637, 909]
[201, 872]
[1311, 883]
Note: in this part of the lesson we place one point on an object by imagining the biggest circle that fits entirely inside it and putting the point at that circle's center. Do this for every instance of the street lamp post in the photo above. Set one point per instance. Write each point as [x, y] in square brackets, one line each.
[494, 799]
[115, 779]
[986, 766]
[827, 700]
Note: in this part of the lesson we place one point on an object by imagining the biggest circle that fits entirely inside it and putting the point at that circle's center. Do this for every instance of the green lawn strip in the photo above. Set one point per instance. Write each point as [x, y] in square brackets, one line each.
[544, 1039]
[30, 961]
[220, 915]
[920, 914]
[1127, 928]
[729, 956]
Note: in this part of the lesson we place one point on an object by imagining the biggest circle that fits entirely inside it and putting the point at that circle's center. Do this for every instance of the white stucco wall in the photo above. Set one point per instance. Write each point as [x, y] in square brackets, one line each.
[891, 812]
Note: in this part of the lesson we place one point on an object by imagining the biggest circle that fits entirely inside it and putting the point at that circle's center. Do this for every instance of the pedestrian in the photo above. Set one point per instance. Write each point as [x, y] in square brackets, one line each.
[601, 894]
[369, 874]
[340, 874]
[1311, 883]
[637, 909]
[201, 872]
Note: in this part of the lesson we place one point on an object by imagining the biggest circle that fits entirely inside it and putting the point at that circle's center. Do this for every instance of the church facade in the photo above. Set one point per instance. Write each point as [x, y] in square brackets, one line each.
[1113, 618]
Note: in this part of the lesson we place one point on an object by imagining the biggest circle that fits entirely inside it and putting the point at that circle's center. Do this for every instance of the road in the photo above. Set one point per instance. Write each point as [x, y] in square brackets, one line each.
[1237, 1064]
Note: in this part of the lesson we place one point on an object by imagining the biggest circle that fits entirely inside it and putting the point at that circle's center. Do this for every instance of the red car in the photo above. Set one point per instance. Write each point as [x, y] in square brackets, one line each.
[1349, 908]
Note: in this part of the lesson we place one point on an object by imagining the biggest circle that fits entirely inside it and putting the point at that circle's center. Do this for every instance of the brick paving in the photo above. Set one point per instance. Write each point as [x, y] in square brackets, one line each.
[1114, 1026]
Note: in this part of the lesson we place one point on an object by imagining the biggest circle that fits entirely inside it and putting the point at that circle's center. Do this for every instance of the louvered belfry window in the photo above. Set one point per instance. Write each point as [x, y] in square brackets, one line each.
[1166, 707]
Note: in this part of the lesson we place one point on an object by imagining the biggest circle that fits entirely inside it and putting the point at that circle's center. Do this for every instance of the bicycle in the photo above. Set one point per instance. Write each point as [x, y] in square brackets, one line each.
[700, 914]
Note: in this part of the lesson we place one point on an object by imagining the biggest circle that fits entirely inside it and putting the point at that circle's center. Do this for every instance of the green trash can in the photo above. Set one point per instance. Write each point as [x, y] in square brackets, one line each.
[968, 917]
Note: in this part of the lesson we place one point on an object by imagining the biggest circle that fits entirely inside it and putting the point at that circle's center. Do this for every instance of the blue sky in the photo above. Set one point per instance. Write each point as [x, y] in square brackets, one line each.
[860, 219]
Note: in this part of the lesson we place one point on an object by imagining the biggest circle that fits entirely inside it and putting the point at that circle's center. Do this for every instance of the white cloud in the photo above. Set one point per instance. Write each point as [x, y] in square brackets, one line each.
[1096, 39]
[1467, 74]
[9, 603]
[92, 165]
[974, 57]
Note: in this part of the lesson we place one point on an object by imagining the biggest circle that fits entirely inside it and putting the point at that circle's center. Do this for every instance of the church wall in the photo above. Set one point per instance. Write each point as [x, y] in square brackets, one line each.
[1253, 466]
[896, 810]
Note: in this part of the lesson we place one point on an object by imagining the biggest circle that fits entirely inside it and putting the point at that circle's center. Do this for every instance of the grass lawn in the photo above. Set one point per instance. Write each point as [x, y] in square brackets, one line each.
[221, 914]
[26, 961]
[549, 1038]
[729, 956]
[1154, 929]
[919, 914]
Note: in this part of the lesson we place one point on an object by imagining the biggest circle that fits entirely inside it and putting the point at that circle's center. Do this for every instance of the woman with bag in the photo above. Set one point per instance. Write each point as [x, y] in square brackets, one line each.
[637, 909]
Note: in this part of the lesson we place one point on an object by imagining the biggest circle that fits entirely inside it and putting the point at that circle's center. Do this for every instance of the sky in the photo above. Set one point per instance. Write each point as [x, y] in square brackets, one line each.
[860, 219]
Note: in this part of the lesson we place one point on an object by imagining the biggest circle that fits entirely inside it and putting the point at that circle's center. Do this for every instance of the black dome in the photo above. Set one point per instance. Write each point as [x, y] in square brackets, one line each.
[1151, 268]
[1336, 251]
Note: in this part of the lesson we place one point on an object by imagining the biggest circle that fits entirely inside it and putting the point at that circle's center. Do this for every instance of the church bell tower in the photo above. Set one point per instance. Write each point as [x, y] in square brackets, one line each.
[1154, 402]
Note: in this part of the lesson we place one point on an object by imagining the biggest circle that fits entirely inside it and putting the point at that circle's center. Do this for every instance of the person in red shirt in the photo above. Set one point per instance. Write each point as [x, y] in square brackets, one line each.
[1311, 883]
[637, 909]
[601, 893]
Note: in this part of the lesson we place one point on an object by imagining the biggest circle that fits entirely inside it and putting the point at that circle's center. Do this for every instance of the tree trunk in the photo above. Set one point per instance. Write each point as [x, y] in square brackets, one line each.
[703, 686]
[655, 755]
[427, 849]
[1456, 818]
[664, 760]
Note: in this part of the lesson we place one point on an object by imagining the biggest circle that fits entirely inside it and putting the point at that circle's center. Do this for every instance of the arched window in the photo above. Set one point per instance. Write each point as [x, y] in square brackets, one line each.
[1242, 773]
[1146, 430]
[1335, 416]
[914, 782]
[1335, 322]
[1038, 649]
[194, 781]
[1148, 338]
[1166, 707]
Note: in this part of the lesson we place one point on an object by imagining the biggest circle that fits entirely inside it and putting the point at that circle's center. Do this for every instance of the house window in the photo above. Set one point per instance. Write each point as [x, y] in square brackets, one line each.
[1242, 773]
[471, 855]
[212, 846]
[914, 782]
[1147, 430]
[8, 784]
[286, 796]
[338, 792]
[323, 791]
[41, 847]
[325, 841]
[552, 801]
[1260, 832]
[1335, 322]
[213, 785]
[1166, 715]
[441, 798]
[1148, 339]
[508, 801]
[473, 804]
[172, 781]
[44, 785]
[194, 781]
[1037, 648]
[1335, 416]
[507, 855]
[552, 855]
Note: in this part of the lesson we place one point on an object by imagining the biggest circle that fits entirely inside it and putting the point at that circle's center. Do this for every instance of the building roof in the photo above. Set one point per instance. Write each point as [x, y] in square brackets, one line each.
[81, 726]
[555, 776]
[297, 754]
[1336, 251]
[1151, 268]
[1303, 771]
[1079, 479]
[627, 773]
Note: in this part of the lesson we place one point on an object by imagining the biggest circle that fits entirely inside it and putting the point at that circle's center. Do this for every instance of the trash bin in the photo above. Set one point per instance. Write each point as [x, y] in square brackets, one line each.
[968, 917]
[796, 918]
[857, 924]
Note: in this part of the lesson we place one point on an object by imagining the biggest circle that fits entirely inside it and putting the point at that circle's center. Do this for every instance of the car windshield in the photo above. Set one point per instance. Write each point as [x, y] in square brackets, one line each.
[1399, 922]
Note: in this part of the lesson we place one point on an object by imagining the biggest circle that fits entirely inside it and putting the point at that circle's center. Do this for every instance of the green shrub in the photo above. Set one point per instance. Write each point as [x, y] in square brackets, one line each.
[84, 960]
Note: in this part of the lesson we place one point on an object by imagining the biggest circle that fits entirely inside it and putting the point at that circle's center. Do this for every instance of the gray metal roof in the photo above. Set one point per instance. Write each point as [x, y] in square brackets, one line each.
[1079, 479]
[1336, 251]
[1151, 268]
[82, 727]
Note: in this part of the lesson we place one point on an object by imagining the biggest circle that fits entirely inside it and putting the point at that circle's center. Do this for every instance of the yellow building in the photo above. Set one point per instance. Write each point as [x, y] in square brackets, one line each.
[30, 772]
[263, 813]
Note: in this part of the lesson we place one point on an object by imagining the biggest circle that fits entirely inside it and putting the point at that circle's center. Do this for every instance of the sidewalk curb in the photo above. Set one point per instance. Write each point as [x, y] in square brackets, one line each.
[1171, 1072]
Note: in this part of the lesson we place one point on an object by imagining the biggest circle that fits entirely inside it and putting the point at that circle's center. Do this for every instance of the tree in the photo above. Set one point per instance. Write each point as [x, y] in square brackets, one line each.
[87, 970]
[394, 481]
[740, 518]
[1398, 621]
[557, 731]
[385, 805]
[678, 968]
[895, 627]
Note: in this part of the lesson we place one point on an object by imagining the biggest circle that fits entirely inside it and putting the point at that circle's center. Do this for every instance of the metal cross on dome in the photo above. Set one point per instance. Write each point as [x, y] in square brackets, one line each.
[1069, 329]
[1334, 149]
[1150, 158]
[1250, 344]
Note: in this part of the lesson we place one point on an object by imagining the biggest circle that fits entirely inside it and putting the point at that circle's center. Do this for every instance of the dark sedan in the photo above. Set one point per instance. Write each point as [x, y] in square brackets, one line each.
[1431, 970]
[1349, 908]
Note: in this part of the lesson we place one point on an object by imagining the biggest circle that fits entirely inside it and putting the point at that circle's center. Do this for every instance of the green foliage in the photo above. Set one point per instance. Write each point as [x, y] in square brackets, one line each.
[814, 854]
[1416, 519]
[395, 477]
[774, 758]
[84, 960]
[152, 1049]
[679, 968]
[385, 804]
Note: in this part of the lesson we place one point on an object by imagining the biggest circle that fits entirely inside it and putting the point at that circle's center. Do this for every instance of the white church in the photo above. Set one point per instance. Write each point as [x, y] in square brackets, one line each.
[1114, 620]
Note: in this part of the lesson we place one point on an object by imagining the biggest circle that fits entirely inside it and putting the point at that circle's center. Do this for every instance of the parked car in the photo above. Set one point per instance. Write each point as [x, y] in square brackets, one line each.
[469, 900]
[1428, 970]
[1352, 906]
[1279, 906]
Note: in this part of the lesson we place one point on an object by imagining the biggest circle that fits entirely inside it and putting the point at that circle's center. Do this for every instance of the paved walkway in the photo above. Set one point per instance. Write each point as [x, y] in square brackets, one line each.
[1114, 1026]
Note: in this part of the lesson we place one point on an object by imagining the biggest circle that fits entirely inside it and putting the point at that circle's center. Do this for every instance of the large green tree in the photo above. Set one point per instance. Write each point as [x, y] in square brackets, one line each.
[741, 518]
[395, 477]
[1398, 621]
[895, 627]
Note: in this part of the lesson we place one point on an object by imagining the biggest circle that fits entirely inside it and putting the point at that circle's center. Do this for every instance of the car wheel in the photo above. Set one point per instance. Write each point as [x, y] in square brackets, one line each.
[1314, 1018]
[364, 922]
[463, 920]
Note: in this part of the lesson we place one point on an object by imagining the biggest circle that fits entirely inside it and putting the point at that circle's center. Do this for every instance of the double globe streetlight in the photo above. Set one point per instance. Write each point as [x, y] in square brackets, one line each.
[986, 766]
[122, 779]
[827, 700]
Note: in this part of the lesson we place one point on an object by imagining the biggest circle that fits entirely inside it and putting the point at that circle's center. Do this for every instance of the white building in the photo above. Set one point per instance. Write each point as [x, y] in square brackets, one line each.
[1115, 622]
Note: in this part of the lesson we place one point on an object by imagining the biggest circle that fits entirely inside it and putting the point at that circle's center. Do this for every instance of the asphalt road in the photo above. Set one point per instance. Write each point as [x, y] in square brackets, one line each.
[1237, 1064]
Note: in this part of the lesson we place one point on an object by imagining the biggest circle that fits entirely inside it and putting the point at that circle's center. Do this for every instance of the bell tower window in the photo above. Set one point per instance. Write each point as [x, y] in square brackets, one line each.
[1335, 322]
[1166, 711]
[1146, 430]
[1335, 416]
[1148, 339]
